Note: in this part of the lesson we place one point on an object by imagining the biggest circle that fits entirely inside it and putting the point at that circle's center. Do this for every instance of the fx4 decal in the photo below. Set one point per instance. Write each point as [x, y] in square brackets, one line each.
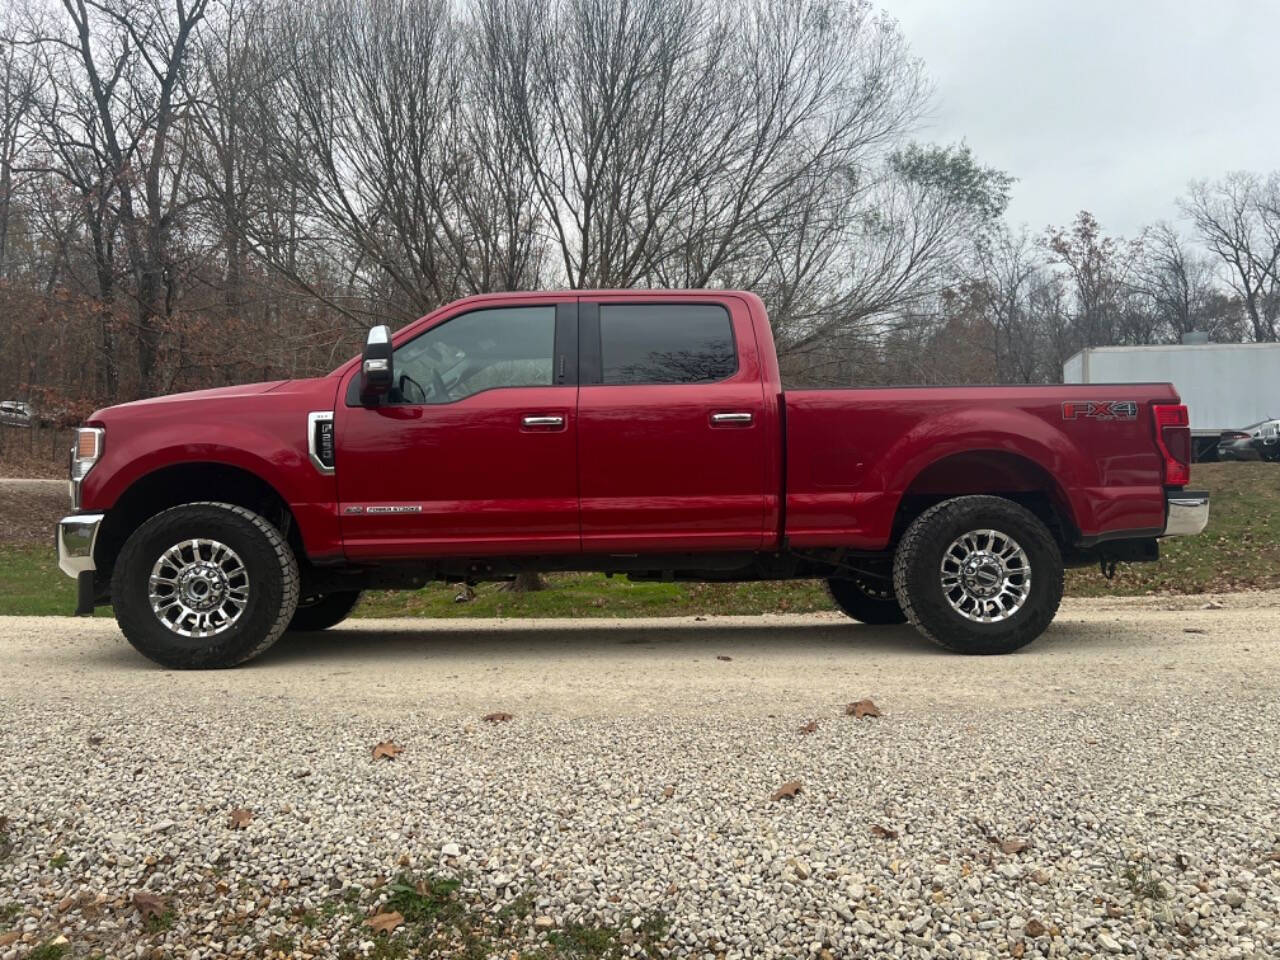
[1099, 410]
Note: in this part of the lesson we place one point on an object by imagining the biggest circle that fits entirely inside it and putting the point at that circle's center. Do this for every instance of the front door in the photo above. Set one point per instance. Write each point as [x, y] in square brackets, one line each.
[475, 451]
[673, 437]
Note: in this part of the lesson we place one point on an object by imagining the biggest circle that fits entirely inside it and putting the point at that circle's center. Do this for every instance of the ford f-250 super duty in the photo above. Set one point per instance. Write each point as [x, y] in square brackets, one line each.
[643, 433]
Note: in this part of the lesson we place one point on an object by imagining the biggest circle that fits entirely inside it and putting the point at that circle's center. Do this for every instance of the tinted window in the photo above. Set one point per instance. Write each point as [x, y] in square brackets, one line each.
[666, 343]
[507, 347]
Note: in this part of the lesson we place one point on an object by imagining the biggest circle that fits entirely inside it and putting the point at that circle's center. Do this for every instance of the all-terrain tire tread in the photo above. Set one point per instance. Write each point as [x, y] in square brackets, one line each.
[291, 581]
[921, 528]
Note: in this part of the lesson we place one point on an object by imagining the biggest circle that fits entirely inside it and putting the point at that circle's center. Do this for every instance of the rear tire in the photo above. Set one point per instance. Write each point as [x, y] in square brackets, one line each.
[204, 585]
[867, 600]
[979, 575]
[322, 611]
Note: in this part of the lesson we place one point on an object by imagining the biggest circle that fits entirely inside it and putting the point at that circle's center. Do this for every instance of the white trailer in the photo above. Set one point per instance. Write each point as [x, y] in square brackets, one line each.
[1225, 385]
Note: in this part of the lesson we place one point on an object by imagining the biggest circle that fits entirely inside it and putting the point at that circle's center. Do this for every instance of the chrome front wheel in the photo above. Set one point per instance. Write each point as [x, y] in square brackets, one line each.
[199, 588]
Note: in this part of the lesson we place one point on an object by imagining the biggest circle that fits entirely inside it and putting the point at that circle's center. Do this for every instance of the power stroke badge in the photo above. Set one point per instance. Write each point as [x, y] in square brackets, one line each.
[356, 509]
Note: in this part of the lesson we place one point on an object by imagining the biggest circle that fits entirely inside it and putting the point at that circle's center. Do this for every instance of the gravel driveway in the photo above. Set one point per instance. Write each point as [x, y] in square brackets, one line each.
[1112, 789]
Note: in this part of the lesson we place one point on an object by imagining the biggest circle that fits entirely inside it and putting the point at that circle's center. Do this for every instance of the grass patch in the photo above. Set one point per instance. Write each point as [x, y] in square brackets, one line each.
[9, 912]
[421, 900]
[59, 860]
[48, 951]
[595, 595]
[440, 921]
[159, 922]
[1239, 550]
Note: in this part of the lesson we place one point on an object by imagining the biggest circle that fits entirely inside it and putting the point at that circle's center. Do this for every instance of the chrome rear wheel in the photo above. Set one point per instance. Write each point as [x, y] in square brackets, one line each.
[986, 576]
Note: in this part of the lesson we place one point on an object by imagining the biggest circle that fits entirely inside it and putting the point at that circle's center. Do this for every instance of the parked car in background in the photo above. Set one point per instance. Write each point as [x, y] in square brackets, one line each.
[1258, 441]
[15, 413]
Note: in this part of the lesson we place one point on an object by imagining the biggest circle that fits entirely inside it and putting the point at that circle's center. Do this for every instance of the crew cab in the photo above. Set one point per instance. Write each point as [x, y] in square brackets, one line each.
[641, 433]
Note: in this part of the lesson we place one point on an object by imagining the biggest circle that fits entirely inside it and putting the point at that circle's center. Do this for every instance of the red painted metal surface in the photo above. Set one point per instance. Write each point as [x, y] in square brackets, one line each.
[644, 468]
[853, 454]
[260, 428]
[659, 473]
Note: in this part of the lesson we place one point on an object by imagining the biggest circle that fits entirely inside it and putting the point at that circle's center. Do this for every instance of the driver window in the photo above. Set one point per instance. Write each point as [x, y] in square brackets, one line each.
[503, 347]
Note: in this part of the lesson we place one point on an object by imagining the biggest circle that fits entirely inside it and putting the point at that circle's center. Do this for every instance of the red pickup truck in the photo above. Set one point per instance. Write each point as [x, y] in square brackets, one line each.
[643, 433]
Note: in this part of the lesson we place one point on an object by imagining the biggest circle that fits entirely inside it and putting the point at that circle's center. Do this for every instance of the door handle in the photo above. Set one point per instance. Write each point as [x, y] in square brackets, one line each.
[718, 419]
[550, 421]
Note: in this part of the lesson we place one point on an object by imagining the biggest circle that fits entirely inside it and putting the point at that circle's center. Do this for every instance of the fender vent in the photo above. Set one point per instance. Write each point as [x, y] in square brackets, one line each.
[320, 442]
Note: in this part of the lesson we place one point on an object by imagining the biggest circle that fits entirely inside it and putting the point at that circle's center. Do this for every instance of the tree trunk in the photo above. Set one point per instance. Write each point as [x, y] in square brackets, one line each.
[526, 583]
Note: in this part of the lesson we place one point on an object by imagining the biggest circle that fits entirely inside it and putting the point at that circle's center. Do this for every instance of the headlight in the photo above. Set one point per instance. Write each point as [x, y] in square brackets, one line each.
[84, 454]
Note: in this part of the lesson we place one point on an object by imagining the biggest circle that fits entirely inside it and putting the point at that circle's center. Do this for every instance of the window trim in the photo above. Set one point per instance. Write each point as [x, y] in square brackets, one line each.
[564, 352]
[591, 347]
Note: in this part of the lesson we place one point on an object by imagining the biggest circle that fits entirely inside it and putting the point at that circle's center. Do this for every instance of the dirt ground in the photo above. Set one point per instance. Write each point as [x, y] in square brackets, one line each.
[1103, 651]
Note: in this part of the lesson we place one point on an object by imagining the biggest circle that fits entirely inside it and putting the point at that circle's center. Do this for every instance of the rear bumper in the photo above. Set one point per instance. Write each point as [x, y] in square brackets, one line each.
[1187, 513]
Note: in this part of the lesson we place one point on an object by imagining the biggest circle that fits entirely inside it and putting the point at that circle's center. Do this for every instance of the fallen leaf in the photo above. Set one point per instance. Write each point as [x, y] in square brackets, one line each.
[1017, 950]
[884, 833]
[861, 708]
[385, 922]
[149, 904]
[668, 791]
[723, 657]
[1012, 846]
[788, 789]
[498, 717]
[1035, 928]
[810, 727]
[239, 818]
[388, 750]
[10, 937]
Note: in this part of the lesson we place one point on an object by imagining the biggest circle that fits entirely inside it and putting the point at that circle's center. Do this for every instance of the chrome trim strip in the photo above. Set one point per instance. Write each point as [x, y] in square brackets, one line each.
[319, 416]
[1187, 514]
[77, 536]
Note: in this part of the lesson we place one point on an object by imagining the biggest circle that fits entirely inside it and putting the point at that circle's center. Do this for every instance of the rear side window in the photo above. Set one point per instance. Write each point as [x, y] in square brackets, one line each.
[666, 343]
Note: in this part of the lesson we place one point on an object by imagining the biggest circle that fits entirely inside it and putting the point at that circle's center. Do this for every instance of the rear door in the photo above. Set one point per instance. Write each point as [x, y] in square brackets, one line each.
[475, 452]
[672, 435]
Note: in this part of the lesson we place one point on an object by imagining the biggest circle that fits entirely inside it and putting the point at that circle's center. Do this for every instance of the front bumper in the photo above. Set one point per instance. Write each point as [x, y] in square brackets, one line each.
[1186, 514]
[77, 535]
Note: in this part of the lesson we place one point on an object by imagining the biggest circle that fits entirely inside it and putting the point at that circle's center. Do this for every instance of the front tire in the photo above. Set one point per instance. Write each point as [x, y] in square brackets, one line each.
[324, 610]
[867, 600]
[979, 575]
[204, 585]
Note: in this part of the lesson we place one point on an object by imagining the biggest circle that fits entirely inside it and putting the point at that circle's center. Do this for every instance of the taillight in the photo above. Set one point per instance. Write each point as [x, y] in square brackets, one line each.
[1173, 437]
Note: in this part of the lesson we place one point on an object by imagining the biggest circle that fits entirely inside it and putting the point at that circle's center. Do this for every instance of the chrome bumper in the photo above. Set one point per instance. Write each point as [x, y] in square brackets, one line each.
[77, 536]
[1186, 514]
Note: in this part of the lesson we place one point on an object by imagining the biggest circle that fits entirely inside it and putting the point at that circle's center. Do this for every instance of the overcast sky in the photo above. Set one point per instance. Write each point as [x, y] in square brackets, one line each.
[1105, 105]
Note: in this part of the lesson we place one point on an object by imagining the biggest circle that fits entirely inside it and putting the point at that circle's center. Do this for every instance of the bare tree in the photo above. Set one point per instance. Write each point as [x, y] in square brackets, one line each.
[1238, 219]
[113, 120]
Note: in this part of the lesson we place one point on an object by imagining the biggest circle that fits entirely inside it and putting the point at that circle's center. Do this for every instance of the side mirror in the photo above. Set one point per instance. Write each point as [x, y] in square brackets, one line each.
[376, 374]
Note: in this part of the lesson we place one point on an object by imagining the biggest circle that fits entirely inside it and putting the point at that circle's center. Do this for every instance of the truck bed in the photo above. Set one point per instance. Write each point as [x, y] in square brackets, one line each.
[853, 455]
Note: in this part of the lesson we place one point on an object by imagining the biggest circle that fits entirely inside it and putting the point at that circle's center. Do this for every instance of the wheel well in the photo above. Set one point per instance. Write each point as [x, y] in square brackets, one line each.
[992, 472]
[191, 483]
